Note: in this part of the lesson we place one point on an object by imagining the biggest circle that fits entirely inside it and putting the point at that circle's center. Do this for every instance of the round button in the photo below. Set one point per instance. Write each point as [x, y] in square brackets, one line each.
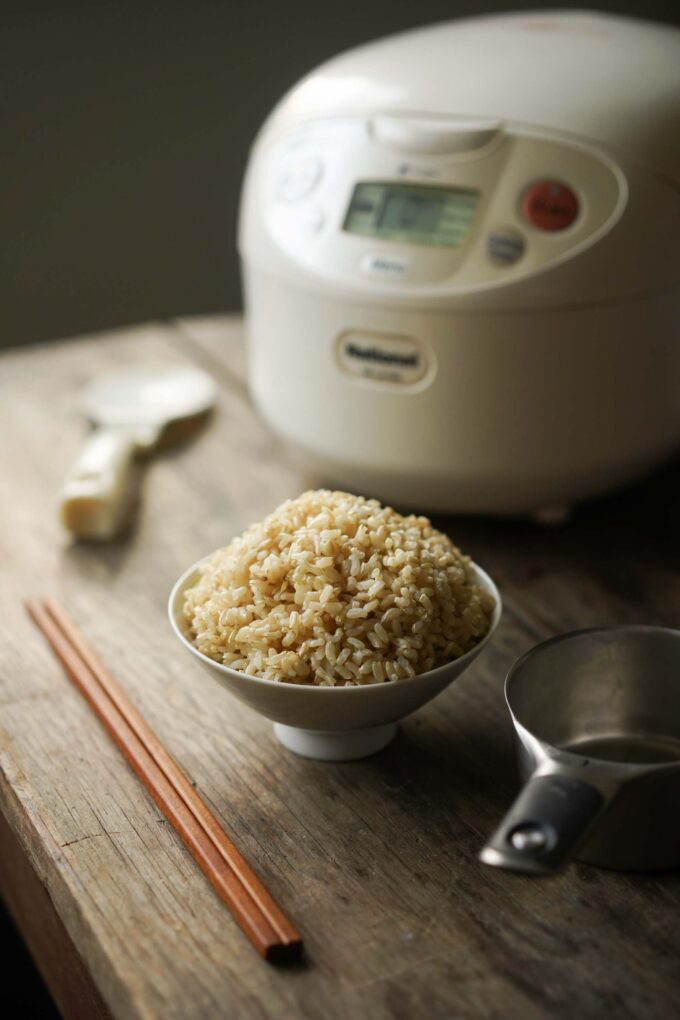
[299, 179]
[549, 205]
[504, 246]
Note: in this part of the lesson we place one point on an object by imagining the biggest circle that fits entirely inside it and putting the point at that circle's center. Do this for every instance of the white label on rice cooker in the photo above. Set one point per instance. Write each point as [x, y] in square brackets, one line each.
[382, 357]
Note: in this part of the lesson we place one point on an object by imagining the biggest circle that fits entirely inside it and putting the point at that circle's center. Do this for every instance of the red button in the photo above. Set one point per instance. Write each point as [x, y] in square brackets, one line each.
[550, 205]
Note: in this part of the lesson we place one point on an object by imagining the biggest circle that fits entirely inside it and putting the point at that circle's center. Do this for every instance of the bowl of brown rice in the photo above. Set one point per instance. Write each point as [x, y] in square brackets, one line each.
[335, 617]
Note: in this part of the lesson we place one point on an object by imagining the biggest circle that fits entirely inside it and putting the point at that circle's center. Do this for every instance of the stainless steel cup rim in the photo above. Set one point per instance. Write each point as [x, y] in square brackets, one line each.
[567, 638]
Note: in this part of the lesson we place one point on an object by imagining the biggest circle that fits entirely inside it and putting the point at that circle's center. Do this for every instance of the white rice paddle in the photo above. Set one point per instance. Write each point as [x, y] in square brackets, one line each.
[132, 412]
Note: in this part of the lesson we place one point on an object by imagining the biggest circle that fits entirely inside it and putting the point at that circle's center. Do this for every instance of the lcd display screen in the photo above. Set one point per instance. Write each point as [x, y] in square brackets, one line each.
[411, 213]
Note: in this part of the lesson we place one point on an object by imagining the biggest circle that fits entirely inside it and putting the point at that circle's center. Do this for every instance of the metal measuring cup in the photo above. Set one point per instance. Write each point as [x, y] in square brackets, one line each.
[597, 725]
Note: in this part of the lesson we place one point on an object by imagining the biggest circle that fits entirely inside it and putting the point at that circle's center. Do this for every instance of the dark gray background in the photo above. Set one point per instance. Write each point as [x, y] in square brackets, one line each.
[125, 132]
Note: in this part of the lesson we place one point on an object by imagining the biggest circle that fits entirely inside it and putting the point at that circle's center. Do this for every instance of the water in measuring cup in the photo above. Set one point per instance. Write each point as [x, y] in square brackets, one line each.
[630, 748]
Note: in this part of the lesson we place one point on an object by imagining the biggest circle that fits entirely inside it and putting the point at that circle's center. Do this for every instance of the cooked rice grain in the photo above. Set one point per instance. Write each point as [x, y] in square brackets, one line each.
[333, 589]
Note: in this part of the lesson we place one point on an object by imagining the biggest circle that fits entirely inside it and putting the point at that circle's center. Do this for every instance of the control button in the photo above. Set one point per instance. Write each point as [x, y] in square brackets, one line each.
[433, 137]
[396, 266]
[505, 246]
[300, 178]
[313, 220]
[550, 205]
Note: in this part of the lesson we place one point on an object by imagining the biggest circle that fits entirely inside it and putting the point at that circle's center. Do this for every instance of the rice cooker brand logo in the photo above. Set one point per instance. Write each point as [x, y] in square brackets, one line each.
[382, 358]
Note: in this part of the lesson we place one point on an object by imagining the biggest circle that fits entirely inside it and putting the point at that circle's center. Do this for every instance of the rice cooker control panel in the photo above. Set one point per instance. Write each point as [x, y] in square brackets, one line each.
[350, 203]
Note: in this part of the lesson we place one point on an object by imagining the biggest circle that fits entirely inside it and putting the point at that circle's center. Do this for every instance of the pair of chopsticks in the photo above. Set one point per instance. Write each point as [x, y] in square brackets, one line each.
[238, 886]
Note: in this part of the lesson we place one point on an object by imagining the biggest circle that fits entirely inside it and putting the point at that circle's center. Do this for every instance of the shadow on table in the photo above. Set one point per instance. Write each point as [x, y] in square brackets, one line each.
[647, 512]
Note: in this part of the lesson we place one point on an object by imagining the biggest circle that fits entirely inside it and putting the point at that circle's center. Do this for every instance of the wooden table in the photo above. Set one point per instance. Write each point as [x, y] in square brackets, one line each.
[375, 860]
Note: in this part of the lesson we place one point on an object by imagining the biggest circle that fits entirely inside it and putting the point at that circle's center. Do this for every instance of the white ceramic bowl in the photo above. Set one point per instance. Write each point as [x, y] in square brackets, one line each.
[331, 723]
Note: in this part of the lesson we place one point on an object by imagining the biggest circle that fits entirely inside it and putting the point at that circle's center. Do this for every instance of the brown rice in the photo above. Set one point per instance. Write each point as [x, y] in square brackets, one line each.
[333, 589]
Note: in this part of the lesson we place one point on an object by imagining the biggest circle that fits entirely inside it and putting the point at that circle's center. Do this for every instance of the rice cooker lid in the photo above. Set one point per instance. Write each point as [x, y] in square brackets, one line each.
[614, 81]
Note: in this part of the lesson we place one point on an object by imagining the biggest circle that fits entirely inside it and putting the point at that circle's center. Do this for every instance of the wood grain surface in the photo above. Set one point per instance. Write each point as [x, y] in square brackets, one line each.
[375, 861]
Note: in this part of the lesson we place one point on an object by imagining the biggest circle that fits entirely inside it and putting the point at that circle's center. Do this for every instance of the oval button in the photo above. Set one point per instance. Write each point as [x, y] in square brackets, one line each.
[300, 178]
[549, 205]
[433, 137]
[396, 266]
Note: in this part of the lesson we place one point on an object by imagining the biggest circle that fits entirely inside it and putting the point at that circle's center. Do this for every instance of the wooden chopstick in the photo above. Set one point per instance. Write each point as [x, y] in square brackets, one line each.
[269, 908]
[258, 914]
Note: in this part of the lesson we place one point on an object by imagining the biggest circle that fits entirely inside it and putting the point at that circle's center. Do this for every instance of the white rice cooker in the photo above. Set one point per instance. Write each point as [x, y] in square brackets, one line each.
[460, 255]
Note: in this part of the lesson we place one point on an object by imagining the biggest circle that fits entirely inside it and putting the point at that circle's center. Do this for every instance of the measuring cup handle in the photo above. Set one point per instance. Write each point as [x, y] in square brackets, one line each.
[549, 820]
[98, 492]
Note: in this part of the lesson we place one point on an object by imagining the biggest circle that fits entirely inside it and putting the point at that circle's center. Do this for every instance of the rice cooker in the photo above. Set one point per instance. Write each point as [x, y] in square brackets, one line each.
[460, 260]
